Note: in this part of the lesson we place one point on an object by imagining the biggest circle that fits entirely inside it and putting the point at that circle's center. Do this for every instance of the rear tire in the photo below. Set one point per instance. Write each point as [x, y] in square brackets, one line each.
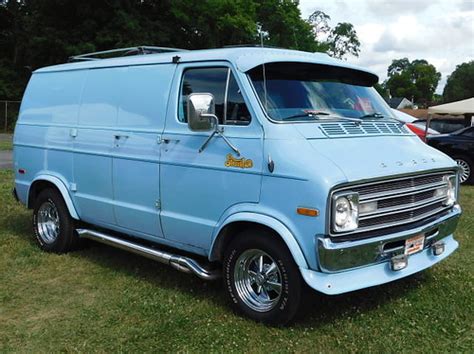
[467, 169]
[261, 278]
[53, 226]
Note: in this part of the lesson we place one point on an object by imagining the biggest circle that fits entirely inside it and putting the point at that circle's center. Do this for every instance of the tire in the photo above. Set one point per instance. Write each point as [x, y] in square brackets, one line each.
[467, 169]
[53, 226]
[249, 292]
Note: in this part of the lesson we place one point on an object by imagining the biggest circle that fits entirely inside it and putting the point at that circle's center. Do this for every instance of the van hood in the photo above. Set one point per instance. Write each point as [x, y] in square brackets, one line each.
[360, 158]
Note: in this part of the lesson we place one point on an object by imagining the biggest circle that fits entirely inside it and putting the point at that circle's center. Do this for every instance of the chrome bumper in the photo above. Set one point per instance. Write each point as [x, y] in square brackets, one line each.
[340, 256]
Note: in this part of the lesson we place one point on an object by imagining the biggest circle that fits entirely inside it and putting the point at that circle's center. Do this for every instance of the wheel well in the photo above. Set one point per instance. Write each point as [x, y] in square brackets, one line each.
[229, 231]
[36, 188]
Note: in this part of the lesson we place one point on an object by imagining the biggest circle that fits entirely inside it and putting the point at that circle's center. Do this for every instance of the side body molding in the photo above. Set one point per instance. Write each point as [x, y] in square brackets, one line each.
[62, 189]
[270, 222]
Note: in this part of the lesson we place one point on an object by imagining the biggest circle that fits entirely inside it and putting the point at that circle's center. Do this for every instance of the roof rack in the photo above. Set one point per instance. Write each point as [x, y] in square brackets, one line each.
[252, 45]
[140, 50]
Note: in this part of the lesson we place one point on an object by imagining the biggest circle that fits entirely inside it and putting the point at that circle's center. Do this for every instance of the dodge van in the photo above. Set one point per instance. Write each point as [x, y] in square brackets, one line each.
[277, 170]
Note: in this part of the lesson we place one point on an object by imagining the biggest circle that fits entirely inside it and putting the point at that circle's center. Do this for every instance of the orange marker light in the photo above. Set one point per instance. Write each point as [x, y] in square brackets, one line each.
[307, 212]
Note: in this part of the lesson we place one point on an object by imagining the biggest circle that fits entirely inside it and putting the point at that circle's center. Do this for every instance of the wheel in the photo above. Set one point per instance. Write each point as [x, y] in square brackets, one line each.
[52, 224]
[466, 174]
[261, 278]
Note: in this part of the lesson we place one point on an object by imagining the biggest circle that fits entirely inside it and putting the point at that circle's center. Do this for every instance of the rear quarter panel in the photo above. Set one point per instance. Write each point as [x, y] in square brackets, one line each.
[42, 138]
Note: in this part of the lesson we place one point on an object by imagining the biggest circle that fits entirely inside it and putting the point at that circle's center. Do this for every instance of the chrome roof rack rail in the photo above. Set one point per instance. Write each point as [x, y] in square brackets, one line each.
[122, 52]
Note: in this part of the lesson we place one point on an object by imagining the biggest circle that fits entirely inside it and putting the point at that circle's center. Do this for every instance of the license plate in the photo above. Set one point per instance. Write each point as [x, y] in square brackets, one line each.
[414, 244]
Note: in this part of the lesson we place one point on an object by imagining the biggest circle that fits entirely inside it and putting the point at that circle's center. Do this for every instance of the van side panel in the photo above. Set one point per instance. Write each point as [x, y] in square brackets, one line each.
[42, 135]
[136, 169]
[94, 144]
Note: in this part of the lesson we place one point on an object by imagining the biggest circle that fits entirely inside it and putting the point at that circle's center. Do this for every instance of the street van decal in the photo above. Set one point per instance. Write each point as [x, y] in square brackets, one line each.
[232, 161]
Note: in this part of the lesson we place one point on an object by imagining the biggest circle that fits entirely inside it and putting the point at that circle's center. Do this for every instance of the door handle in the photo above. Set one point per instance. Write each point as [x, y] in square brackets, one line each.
[168, 140]
[120, 136]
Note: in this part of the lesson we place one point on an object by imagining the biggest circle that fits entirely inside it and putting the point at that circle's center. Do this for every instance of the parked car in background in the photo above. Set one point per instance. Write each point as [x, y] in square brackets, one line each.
[443, 125]
[412, 124]
[460, 146]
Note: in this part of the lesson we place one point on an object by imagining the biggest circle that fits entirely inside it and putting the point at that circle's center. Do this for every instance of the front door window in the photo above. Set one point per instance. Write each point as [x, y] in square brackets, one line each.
[220, 82]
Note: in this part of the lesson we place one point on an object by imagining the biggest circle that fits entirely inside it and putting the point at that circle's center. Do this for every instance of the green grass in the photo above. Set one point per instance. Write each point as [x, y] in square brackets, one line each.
[6, 145]
[102, 299]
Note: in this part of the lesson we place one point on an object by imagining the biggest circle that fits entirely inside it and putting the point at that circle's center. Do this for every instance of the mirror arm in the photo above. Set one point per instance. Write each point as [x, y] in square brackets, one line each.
[218, 132]
[229, 143]
[201, 149]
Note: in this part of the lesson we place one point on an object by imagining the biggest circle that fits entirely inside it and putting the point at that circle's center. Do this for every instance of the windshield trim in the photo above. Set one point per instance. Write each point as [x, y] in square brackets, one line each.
[332, 119]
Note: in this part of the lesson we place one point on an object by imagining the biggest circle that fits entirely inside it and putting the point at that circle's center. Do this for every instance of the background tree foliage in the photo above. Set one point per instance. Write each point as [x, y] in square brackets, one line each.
[417, 79]
[460, 84]
[337, 41]
[39, 33]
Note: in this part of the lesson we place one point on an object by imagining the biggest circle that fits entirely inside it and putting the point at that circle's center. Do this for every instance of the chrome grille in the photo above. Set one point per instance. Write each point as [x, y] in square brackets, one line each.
[399, 201]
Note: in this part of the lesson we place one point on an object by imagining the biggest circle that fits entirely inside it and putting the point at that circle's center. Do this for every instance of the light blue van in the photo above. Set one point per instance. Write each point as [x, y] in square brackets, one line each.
[275, 169]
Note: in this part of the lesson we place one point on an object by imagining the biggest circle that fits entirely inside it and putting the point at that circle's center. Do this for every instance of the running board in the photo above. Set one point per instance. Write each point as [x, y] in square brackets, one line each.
[183, 264]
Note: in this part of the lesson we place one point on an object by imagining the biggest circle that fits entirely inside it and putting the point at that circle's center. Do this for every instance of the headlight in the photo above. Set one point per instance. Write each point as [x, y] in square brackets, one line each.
[345, 212]
[451, 182]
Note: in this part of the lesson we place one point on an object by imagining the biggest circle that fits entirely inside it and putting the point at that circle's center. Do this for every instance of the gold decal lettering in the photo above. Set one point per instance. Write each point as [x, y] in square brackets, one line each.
[232, 161]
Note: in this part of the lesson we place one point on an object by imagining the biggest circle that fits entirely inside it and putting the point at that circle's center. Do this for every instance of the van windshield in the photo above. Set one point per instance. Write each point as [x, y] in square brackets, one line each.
[303, 92]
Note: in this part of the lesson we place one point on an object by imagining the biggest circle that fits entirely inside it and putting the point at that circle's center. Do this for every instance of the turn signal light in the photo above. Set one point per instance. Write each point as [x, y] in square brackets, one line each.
[307, 211]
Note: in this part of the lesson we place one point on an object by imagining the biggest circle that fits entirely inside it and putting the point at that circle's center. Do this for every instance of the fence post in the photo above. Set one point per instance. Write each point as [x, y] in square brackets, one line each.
[6, 116]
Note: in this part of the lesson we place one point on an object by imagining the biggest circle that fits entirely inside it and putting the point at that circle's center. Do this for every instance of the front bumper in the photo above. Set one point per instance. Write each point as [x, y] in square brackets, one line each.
[341, 256]
[343, 282]
[354, 265]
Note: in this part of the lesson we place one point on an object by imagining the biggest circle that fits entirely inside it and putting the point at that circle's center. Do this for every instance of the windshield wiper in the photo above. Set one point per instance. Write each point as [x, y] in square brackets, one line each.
[308, 113]
[316, 115]
[372, 115]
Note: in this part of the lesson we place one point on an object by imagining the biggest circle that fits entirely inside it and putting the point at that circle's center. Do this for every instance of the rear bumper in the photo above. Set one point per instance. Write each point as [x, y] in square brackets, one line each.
[340, 256]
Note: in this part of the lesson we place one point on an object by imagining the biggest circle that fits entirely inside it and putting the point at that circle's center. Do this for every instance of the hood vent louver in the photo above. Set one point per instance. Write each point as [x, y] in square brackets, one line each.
[367, 128]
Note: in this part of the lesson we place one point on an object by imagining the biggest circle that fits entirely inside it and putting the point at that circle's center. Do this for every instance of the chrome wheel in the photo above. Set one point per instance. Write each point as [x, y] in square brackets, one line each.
[47, 222]
[465, 170]
[258, 280]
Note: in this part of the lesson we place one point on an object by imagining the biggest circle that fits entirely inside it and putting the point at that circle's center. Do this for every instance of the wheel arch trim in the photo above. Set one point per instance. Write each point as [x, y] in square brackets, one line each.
[61, 186]
[276, 225]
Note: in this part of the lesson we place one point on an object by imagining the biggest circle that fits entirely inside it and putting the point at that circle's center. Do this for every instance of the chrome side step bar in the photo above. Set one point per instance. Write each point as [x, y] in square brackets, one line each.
[183, 264]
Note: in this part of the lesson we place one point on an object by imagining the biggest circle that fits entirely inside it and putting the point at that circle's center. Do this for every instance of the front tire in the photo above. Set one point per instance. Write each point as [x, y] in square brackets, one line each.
[53, 226]
[261, 278]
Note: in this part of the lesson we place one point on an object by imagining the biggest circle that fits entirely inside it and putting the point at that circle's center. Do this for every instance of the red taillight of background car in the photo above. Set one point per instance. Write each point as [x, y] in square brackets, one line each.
[417, 130]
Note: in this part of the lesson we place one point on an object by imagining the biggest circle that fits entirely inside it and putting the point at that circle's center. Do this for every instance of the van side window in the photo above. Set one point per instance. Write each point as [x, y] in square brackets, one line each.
[230, 106]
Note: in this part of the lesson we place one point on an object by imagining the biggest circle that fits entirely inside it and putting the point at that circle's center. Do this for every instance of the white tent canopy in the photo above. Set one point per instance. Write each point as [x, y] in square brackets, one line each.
[459, 107]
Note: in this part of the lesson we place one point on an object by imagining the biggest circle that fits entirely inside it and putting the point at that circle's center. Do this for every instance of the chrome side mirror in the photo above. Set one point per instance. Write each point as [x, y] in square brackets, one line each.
[201, 110]
[200, 106]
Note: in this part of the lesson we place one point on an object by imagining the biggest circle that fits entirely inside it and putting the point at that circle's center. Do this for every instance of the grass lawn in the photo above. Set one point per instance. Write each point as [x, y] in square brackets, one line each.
[6, 145]
[103, 299]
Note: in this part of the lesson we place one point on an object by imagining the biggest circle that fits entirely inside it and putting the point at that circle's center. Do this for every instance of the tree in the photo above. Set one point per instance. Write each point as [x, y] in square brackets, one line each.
[381, 90]
[284, 25]
[340, 40]
[343, 40]
[320, 23]
[398, 66]
[415, 80]
[460, 84]
[36, 33]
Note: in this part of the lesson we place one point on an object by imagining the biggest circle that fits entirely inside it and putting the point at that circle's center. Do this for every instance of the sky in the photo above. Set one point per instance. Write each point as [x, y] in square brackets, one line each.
[440, 31]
